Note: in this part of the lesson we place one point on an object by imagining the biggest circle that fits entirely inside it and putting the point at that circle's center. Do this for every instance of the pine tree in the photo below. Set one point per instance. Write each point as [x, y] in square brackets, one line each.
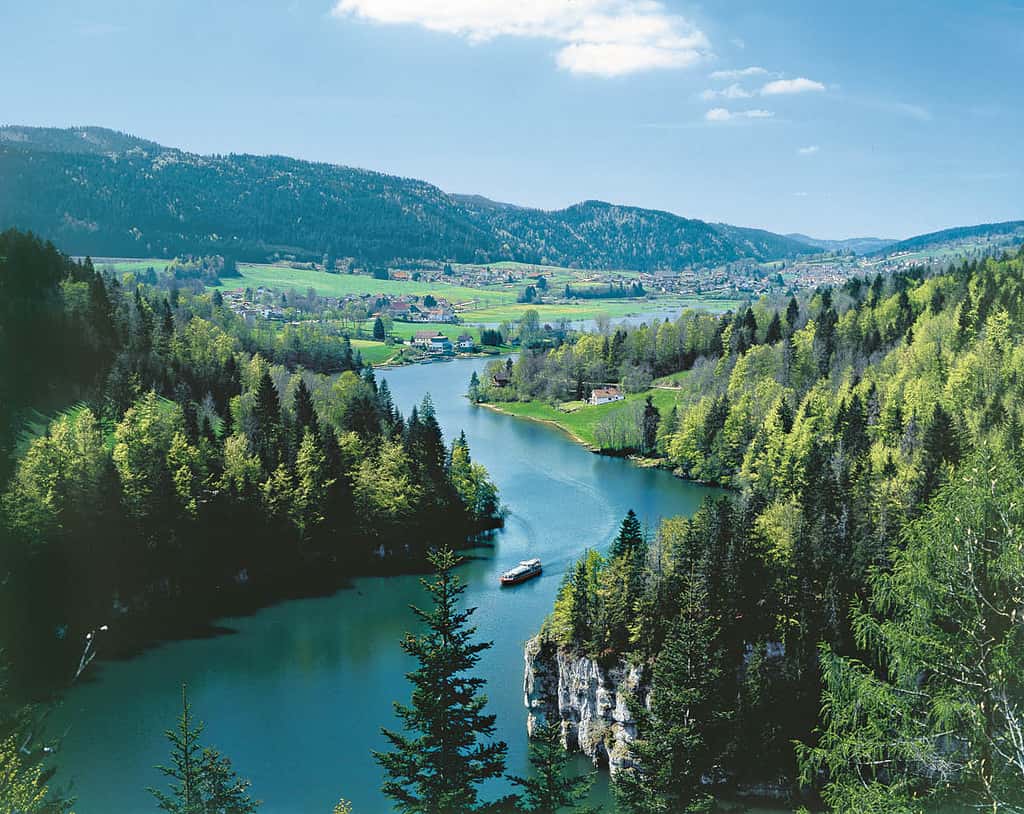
[266, 422]
[305, 412]
[550, 789]
[437, 767]
[378, 330]
[651, 419]
[202, 780]
[681, 737]
[630, 538]
[792, 314]
[935, 722]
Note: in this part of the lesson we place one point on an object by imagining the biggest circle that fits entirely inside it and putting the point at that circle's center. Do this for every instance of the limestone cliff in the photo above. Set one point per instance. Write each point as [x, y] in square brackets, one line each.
[587, 698]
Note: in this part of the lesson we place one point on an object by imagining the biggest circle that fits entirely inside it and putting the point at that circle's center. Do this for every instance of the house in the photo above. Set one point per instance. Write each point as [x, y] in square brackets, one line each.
[466, 343]
[501, 378]
[440, 314]
[439, 344]
[604, 395]
[422, 339]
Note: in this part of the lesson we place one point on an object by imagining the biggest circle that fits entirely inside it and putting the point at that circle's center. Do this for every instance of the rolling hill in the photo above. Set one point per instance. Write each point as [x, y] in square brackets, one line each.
[97, 191]
[1008, 229]
[857, 245]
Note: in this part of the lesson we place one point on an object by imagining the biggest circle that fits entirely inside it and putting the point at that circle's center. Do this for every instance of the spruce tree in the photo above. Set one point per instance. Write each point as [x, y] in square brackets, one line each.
[630, 538]
[551, 789]
[774, 333]
[378, 330]
[201, 779]
[305, 412]
[680, 737]
[438, 764]
[266, 423]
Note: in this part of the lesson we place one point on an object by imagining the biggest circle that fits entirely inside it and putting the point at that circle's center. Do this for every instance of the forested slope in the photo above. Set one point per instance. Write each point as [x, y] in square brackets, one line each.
[100, 192]
[193, 473]
[860, 594]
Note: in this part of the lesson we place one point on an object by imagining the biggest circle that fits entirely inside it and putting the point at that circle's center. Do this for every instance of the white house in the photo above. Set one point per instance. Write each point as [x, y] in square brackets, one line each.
[604, 395]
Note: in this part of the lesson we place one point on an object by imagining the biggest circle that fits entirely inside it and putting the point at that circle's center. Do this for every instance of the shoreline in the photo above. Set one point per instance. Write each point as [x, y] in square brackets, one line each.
[639, 461]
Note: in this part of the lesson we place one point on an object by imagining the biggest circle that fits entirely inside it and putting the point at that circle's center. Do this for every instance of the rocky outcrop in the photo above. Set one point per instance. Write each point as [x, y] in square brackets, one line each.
[589, 700]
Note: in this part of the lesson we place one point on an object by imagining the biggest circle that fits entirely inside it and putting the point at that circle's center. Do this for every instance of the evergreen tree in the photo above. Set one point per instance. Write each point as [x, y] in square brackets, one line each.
[551, 789]
[774, 332]
[630, 538]
[681, 738]
[201, 780]
[651, 419]
[266, 423]
[792, 314]
[378, 330]
[937, 724]
[305, 412]
[437, 767]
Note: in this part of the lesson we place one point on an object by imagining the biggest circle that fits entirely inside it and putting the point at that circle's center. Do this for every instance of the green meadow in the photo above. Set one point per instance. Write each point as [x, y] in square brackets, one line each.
[579, 418]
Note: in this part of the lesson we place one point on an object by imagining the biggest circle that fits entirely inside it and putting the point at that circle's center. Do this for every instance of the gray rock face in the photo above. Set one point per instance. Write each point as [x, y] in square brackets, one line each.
[588, 699]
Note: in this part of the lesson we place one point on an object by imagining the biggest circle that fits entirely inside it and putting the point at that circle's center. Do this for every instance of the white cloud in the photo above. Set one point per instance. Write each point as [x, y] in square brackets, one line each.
[753, 70]
[734, 91]
[799, 85]
[809, 150]
[721, 114]
[597, 37]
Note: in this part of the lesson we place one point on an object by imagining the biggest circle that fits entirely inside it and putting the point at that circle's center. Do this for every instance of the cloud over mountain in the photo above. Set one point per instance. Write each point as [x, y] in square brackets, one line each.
[597, 37]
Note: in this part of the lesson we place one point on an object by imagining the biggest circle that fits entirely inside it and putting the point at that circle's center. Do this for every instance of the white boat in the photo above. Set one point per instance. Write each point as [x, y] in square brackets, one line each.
[527, 569]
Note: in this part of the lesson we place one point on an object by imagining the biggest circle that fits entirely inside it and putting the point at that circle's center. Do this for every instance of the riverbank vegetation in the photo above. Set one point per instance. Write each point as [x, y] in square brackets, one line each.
[195, 472]
[858, 594]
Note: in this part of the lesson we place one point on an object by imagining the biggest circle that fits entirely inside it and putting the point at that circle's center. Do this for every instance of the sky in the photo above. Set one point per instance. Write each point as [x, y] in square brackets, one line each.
[833, 119]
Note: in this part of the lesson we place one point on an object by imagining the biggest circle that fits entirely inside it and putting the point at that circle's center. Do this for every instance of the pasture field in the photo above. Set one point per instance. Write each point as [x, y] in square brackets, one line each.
[374, 353]
[284, 278]
[578, 418]
[122, 265]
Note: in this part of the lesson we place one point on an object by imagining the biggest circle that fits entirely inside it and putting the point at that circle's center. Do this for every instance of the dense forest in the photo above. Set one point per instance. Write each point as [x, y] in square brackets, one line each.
[103, 193]
[859, 595]
[192, 471]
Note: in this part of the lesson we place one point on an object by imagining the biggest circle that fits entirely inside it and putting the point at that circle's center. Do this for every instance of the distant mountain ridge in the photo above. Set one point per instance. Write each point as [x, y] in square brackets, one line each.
[1007, 228]
[857, 245]
[102, 192]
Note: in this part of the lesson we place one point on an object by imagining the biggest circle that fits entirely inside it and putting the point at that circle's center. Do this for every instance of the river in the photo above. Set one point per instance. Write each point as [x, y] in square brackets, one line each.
[296, 693]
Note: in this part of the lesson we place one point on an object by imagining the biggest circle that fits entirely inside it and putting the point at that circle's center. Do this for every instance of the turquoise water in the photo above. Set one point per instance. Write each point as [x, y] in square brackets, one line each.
[296, 693]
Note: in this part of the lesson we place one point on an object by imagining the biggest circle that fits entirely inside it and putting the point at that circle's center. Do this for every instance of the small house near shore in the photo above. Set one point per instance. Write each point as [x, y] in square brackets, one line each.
[604, 395]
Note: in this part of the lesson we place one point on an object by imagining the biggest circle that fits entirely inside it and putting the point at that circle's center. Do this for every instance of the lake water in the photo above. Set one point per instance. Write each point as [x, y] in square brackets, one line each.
[296, 693]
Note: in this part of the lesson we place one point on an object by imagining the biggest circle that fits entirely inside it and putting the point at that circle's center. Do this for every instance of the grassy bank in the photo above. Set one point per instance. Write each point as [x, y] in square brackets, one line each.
[577, 418]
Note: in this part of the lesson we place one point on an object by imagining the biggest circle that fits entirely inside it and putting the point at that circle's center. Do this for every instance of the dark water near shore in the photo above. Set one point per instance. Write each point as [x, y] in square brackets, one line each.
[296, 693]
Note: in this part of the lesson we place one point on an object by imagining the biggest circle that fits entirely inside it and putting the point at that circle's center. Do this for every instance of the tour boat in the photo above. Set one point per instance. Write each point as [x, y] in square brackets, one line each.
[527, 569]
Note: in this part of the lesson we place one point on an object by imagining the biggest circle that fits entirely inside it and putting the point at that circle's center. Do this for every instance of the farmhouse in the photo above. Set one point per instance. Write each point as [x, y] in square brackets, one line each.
[604, 395]
[423, 339]
[466, 342]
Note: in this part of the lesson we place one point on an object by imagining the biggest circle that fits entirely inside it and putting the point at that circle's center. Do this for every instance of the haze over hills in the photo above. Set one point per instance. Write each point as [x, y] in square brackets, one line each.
[857, 245]
[102, 192]
[1008, 229]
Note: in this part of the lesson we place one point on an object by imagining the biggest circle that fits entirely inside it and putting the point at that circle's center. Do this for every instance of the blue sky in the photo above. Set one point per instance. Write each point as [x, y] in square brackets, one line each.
[834, 119]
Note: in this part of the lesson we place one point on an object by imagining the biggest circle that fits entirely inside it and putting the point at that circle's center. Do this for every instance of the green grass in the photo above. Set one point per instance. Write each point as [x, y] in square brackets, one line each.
[374, 353]
[579, 418]
[121, 266]
[283, 278]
